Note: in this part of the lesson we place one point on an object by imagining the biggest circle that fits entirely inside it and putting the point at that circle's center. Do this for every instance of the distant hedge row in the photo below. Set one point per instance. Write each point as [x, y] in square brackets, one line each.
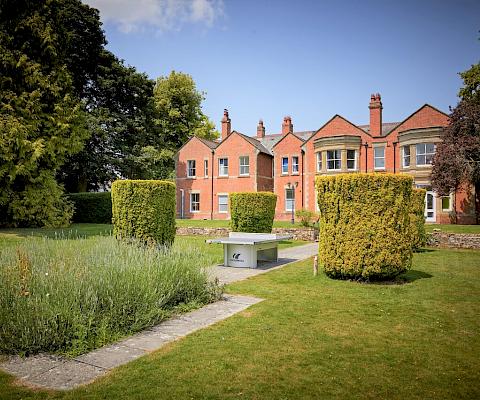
[94, 208]
[252, 211]
[144, 210]
[365, 225]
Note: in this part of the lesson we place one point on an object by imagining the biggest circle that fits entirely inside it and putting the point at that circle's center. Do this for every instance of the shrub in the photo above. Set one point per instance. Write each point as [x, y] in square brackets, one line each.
[144, 210]
[252, 211]
[417, 219]
[364, 225]
[307, 218]
[94, 207]
[71, 296]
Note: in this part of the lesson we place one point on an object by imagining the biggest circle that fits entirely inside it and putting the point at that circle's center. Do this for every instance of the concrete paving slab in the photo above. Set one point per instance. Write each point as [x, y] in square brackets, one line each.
[26, 368]
[67, 376]
[111, 356]
[147, 341]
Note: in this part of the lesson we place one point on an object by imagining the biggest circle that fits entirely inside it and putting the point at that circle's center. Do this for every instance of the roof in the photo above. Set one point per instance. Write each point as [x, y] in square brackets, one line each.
[259, 146]
[386, 127]
[209, 143]
[271, 140]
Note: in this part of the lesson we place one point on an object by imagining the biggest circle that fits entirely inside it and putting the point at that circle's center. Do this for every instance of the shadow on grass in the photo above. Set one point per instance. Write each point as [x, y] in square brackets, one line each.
[413, 275]
[425, 250]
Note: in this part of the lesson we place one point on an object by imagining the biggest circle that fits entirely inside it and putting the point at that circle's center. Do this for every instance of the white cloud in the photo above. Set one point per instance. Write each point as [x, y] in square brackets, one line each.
[162, 15]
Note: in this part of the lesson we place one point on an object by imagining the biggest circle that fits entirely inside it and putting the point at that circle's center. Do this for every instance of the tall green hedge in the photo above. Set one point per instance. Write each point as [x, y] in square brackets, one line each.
[144, 210]
[92, 207]
[252, 211]
[364, 225]
[417, 219]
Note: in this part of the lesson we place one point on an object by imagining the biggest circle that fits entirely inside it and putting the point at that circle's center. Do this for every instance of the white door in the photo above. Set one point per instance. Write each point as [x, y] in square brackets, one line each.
[430, 215]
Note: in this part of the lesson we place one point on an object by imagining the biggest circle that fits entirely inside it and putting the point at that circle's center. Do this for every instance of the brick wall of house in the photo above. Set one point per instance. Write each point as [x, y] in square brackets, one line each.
[337, 134]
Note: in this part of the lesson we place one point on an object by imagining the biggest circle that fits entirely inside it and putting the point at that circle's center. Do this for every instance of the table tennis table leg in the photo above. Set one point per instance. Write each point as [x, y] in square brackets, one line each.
[225, 255]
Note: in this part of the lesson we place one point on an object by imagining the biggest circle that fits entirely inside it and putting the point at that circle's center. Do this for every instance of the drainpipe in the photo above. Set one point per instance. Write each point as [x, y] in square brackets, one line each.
[211, 194]
[394, 156]
[366, 158]
[303, 167]
[182, 197]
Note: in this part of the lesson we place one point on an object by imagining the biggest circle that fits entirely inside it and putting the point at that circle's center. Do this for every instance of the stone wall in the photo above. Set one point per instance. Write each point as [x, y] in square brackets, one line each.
[454, 240]
[309, 234]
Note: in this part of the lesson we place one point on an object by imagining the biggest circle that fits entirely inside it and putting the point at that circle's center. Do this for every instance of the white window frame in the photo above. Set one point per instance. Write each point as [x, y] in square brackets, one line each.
[189, 168]
[406, 156]
[450, 200]
[283, 165]
[247, 166]
[295, 166]
[375, 158]
[205, 168]
[334, 159]
[424, 153]
[290, 202]
[223, 169]
[222, 195]
[317, 208]
[192, 210]
[319, 161]
[354, 160]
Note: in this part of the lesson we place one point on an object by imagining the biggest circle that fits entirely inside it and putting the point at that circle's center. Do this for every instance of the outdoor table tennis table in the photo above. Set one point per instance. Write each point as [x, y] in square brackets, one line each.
[246, 249]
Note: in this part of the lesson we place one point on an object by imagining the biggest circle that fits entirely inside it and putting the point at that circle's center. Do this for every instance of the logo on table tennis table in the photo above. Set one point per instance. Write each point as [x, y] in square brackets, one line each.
[236, 257]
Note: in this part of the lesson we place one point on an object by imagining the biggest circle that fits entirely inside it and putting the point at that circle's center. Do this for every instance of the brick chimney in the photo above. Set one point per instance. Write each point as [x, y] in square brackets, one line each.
[226, 125]
[375, 107]
[260, 130]
[287, 126]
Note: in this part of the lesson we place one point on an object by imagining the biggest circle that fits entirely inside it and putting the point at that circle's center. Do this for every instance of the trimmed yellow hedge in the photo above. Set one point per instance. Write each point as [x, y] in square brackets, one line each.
[364, 225]
[144, 210]
[417, 219]
[252, 211]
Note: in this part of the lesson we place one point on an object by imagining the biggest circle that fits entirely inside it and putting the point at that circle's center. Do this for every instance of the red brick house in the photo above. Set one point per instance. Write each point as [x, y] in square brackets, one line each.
[287, 163]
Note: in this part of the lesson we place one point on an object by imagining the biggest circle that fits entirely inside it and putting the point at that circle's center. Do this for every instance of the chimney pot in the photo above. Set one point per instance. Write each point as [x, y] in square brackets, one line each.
[375, 107]
[226, 125]
[260, 129]
[287, 126]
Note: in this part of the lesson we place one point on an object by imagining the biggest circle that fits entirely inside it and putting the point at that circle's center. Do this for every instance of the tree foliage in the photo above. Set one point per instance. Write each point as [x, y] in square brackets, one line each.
[457, 160]
[179, 112]
[41, 121]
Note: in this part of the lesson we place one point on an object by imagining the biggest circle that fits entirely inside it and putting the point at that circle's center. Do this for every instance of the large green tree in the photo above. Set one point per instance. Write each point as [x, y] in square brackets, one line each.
[457, 160]
[41, 119]
[178, 105]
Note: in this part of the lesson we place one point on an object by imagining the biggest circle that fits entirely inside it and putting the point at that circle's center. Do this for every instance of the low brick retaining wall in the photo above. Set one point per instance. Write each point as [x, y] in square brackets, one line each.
[308, 234]
[454, 240]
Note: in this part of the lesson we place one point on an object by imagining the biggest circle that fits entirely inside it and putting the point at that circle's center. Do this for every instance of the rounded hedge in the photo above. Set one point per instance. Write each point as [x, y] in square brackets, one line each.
[365, 225]
[92, 207]
[252, 211]
[417, 219]
[144, 210]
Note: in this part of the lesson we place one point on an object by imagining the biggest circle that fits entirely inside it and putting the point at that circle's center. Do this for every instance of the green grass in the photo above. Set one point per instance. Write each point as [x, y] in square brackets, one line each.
[454, 228]
[317, 338]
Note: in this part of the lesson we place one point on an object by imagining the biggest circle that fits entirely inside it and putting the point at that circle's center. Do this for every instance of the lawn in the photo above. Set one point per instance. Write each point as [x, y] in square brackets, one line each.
[454, 228]
[314, 337]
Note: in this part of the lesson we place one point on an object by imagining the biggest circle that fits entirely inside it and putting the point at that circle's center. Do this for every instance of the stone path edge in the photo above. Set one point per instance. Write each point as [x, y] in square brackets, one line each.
[47, 371]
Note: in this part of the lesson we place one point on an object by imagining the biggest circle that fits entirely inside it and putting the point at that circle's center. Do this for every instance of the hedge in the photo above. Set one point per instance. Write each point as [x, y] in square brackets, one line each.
[92, 207]
[144, 210]
[364, 225]
[252, 211]
[417, 219]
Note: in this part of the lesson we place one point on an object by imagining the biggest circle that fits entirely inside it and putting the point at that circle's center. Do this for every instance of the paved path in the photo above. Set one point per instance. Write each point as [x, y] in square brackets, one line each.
[286, 256]
[54, 372]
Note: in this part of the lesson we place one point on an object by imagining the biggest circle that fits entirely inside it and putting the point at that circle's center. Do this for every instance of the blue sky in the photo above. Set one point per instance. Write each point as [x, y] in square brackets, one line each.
[308, 59]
